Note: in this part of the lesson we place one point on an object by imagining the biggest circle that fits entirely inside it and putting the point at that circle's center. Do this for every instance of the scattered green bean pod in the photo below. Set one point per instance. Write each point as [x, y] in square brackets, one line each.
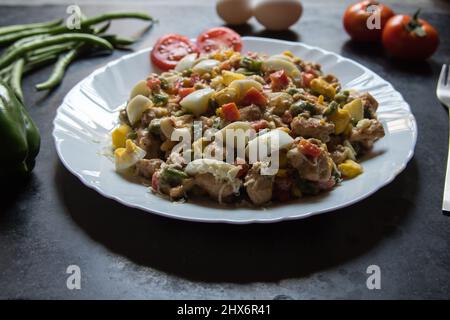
[22, 27]
[56, 48]
[118, 41]
[16, 78]
[9, 57]
[36, 45]
[38, 63]
[12, 37]
[60, 67]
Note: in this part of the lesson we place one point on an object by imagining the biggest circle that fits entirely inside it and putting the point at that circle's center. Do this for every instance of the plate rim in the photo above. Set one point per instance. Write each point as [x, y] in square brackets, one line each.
[144, 209]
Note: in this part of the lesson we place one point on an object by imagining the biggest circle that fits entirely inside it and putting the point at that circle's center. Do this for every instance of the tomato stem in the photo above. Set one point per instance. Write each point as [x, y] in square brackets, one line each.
[415, 26]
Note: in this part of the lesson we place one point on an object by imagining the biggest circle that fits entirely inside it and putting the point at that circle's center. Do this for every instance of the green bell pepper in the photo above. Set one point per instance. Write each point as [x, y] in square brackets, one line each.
[19, 136]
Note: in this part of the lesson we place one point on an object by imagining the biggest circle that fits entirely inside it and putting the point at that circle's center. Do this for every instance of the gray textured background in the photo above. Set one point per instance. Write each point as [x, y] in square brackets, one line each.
[54, 221]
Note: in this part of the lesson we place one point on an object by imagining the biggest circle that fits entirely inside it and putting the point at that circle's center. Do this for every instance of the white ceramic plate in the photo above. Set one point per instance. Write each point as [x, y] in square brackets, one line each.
[89, 112]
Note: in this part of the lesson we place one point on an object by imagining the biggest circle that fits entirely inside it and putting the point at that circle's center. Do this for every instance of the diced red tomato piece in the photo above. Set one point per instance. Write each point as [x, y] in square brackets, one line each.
[183, 92]
[254, 96]
[279, 80]
[154, 84]
[309, 149]
[259, 125]
[307, 78]
[282, 188]
[231, 112]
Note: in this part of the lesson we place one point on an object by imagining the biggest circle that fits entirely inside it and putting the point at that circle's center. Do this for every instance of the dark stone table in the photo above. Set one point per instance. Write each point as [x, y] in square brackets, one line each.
[55, 221]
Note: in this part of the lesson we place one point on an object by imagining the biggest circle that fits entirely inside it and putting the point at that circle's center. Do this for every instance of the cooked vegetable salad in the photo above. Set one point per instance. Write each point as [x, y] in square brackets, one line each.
[322, 129]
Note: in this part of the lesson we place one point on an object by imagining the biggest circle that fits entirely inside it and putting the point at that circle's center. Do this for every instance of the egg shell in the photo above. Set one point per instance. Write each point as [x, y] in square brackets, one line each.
[234, 12]
[278, 15]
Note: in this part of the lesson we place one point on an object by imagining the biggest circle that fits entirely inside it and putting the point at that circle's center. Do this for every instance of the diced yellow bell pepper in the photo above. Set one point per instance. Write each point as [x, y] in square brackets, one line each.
[288, 54]
[225, 95]
[348, 130]
[229, 77]
[341, 118]
[119, 136]
[320, 99]
[355, 108]
[323, 87]
[350, 169]
[129, 147]
[219, 112]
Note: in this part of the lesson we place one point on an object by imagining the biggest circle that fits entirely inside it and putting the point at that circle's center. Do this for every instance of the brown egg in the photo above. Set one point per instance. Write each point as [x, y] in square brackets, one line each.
[234, 12]
[278, 14]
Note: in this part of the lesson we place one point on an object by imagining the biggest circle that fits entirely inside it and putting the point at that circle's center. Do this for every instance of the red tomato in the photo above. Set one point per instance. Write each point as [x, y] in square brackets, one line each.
[170, 49]
[254, 96]
[231, 112]
[183, 92]
[309, 149]
[279, 80]
[217, 38]
[410, 38]
[307, 77]
[356, 20]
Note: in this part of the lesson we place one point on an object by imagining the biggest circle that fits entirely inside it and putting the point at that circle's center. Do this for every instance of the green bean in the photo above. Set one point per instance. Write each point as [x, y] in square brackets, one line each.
[8, 38]
[118, 41]
[102, 28]
[5, 71]
[6, 78]
[12, 37]
[59, 69]
[37, 63]
[16, 78]
[9, 57]
[57, 48]
[22, 27]
[20, 42]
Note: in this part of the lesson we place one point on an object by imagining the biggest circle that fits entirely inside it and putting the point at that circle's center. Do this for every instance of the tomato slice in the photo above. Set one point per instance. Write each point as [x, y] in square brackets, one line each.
[218, 38]
[170, 49]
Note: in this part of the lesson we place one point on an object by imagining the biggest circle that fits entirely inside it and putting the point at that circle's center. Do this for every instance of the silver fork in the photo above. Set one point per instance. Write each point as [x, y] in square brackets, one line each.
[443, 94]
